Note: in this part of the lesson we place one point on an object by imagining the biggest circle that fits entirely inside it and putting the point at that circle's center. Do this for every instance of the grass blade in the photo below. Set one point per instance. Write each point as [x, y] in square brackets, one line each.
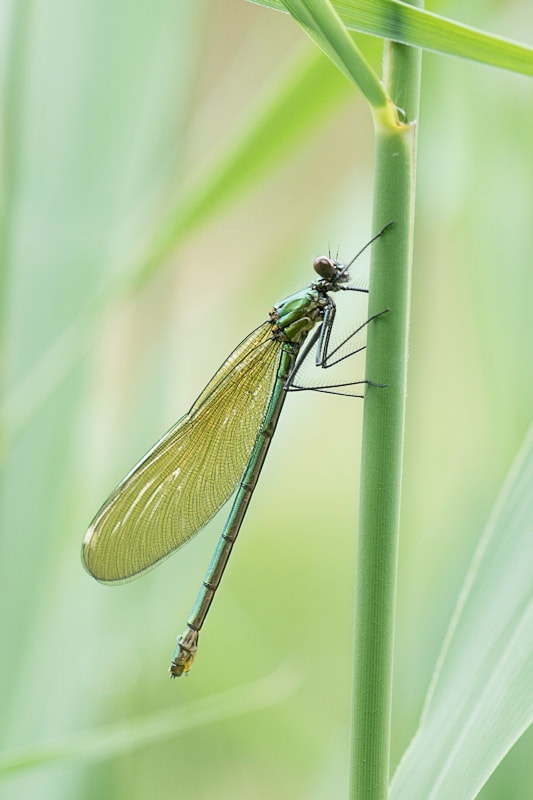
[481, 697]
[400, 22]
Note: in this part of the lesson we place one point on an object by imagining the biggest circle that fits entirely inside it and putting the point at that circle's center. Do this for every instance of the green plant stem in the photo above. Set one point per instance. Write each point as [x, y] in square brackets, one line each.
[383, 431]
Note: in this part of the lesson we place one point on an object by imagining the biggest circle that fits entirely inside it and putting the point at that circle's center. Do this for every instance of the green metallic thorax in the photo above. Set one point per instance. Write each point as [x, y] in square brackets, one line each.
[298, 314]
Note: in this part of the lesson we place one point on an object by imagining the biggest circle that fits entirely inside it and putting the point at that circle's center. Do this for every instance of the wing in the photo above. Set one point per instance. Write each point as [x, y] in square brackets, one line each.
[191, 472]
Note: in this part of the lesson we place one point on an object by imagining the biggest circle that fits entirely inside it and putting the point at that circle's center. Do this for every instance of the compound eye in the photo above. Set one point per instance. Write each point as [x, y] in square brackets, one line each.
[325, 267]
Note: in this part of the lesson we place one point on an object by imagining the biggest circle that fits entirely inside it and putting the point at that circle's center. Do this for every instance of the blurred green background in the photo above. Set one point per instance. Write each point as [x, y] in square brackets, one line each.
[114, 114]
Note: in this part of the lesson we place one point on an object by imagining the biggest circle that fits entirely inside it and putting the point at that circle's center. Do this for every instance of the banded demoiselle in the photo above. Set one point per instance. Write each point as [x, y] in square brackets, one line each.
[218, 447]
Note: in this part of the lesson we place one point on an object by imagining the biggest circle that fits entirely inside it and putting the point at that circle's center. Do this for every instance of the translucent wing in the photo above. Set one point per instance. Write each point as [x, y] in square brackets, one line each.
[191, 472]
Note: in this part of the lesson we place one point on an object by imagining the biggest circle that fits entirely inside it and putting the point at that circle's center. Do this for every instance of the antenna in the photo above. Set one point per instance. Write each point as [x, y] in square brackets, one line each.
[372, 240]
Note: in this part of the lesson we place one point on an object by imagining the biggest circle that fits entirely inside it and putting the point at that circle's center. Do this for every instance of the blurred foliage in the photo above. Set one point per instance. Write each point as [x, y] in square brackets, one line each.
[112, 112]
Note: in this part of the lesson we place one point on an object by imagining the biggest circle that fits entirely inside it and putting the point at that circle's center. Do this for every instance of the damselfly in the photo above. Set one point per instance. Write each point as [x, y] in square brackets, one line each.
[217, 447]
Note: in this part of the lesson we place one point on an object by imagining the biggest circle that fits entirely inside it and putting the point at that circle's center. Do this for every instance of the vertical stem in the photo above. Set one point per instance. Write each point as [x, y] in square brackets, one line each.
[383, 432]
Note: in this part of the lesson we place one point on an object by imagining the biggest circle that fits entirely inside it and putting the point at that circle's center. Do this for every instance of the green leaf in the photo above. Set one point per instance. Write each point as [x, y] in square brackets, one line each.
[322, 24]
[400, 22]
[481, 697]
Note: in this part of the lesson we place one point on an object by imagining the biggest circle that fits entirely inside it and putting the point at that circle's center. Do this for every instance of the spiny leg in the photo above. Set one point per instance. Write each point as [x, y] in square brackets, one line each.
[326, 357]
[323, 360]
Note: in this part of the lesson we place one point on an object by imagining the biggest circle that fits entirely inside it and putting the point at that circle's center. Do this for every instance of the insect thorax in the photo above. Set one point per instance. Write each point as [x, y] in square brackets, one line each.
[298, 314]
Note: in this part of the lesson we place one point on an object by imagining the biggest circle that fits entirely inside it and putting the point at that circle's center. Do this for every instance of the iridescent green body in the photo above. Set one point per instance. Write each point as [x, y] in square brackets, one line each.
[290, 322]
[220, 445]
